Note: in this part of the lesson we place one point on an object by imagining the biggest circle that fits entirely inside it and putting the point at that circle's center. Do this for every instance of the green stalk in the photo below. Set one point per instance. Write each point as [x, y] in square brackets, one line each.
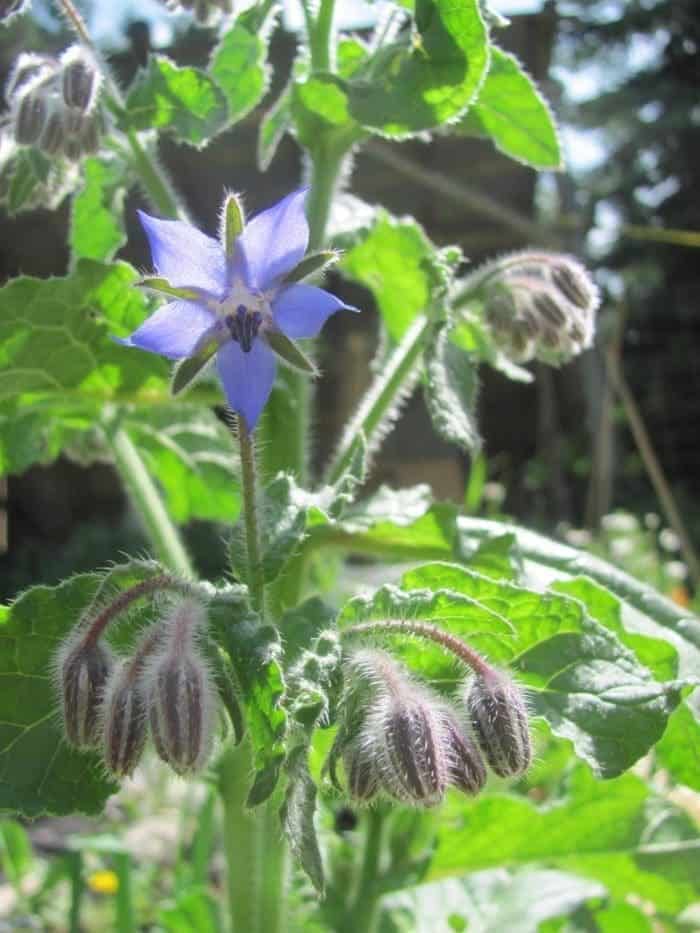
[320, 34]
[155, 181]
[125, 921]
[163, 534]
[396, 377]
[364, 912]
[255, 581]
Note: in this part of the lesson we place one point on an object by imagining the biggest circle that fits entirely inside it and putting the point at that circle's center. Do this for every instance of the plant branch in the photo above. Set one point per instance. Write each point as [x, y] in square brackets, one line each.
[256, 583]
[146, 498]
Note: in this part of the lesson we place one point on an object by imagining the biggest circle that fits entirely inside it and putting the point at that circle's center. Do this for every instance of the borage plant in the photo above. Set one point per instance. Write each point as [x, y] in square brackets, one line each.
[365, 740]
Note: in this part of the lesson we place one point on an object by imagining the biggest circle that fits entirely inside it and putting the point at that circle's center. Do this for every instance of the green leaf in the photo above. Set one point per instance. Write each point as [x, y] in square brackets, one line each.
[297, 815]
[16, 854]
[622, 918]
[55, 336]
[474, 338]
[284, 524]
[644, 610]
[400, 266]
[679, 749]
[239, 68]
[450, 393]
[195, 910]
[429, 77]
[190, 454]
[255, 650]
[600, 830]
[589, 687]
[39, 772]
[498, 558]
[97, 229]
[184, 101]
[319, 106]
[29, 174]
[290, 353]
[511, 112]
[302, 624]
[658, 655]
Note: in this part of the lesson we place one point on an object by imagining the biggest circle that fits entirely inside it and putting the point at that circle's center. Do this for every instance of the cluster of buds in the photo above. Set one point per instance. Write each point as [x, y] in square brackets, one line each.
[540, 306]
[54, 103]
[165, 687]
[206, 12]
[11, 8]
[402, 740]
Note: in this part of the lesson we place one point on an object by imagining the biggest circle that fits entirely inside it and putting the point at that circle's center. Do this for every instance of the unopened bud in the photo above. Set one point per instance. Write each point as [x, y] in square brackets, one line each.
[181, 696]
[51, 140]
[10, 8]
[500, 721]
[72, 148]
[89, 137]
[28, 67]
[81, 670]
[551, 311]
[361, 772]
[467, 771]
[574, 282]
[124, 719]
[412, 760]
[81, 80]
[30, 117]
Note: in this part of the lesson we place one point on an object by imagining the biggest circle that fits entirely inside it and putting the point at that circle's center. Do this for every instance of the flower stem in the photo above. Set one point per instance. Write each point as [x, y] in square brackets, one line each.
[374, 414]
[451, 643]
[256, 855]
[155, 181]
[320, 32]
[256, 582]
[163, 534]
[364, 912]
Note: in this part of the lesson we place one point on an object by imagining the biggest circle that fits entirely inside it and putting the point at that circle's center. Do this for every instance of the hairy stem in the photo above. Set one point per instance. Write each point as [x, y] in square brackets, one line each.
[396, 379]
[161, 530]
[256, 582]
[365, 909]
[122, 602]
[155, 181]
[460, 649]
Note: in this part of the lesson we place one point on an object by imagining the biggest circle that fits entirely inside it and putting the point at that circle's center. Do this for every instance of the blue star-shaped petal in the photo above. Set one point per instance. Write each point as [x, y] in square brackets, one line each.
[233, 299]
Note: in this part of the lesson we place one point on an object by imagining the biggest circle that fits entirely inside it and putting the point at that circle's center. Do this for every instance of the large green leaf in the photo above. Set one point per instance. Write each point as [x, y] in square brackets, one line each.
[644, 610]
[190, 454]
[401, 267]
[29, 179]
[511, 111]
[429, 77]
[97, 228]
[679, 749]
[600, 830]
[239, 68]
[183, 101]
[55, 336]
[590, 688]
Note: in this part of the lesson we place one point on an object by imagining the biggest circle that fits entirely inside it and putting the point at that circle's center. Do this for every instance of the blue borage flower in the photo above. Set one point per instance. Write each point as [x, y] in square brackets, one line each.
[238, 298]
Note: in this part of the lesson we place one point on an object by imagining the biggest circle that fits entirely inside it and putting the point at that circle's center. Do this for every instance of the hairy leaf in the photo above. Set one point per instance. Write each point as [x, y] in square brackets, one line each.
[450, 393]
[513, 114]
[97, 228]
[184, 101]
[238, 66]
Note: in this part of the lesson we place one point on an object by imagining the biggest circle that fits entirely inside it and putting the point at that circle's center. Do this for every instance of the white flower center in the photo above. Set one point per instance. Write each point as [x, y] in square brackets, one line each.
[244, 313]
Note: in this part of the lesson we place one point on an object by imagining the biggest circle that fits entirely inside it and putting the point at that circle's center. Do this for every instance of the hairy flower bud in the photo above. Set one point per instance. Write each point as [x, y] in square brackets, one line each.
[574, 282]
[52, 137]
[10, 8]
[500, 721]
[81, 79]
[30, 117]
[28, 67]
[181, 695]
[124, 719]
[467, 771]
[81, 669]
[361, 772]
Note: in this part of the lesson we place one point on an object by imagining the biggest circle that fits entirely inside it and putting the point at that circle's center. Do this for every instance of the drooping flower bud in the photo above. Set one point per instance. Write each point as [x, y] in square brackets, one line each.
[30, 117]
[81, 670]
[81, 79]
[499, 718]
[181, 697]
[52, 137]
[360, 772]
[574, 282]
[10, 9]
[124, 719]
[28, 67]
[467, 771]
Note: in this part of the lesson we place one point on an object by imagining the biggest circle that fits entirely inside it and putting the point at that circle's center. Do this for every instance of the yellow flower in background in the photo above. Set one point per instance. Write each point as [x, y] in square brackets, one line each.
[103, 882]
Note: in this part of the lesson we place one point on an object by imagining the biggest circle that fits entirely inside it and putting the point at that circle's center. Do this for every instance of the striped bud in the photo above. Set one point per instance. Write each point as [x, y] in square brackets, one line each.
[82, 668]
[361, 772]
[89, 137]
[10, 8]
[574, 282]
[467, 771]
[123, 719]
[412, 761]
[181, 696]
[81, 80]
[52, 137]
[72, 148]
[28, 67]
[500, 721]
[30, 117]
